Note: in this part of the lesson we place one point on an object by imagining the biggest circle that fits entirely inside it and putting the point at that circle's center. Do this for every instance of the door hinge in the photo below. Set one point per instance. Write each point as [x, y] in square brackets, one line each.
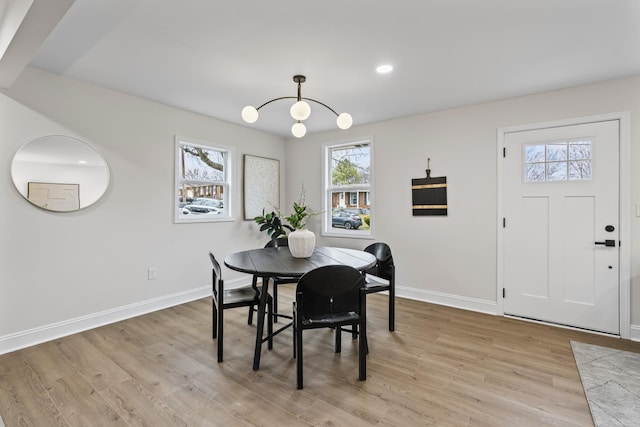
[504, 151]
[504, 222]
[504, 292]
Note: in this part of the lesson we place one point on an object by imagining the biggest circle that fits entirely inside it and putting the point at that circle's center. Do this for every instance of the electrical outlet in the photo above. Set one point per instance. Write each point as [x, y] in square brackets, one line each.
[152, 273]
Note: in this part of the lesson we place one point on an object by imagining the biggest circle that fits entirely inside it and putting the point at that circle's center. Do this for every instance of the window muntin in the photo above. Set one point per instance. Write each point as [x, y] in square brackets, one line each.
[558, 161]
[202, 182]
[348, 189]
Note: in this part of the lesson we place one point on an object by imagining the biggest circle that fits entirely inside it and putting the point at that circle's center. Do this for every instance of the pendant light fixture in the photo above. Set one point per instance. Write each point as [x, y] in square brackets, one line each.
[300, 111]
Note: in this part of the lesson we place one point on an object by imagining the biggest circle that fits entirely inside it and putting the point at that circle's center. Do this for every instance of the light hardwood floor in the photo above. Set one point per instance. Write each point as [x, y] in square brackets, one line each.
[442, 366]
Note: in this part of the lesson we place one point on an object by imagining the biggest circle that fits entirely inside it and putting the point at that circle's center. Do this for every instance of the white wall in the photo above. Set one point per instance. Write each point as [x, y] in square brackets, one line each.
[64, 272]
[452, 259]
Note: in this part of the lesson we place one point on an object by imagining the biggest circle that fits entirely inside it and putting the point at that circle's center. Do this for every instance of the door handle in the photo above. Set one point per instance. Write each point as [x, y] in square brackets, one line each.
[610, 243]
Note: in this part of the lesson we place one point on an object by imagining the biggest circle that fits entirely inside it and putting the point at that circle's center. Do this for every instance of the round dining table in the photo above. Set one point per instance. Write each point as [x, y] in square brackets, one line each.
[278, 262]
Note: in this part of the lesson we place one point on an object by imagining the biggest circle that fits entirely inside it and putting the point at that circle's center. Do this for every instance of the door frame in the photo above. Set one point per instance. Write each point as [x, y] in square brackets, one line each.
[624, 208]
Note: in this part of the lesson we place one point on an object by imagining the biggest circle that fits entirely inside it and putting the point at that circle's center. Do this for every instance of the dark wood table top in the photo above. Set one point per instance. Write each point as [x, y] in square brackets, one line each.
[270, 262]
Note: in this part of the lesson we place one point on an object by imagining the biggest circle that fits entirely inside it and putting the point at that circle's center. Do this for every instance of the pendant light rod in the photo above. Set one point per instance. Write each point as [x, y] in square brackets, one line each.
[301, 98]
[299, 79]
[300, 111]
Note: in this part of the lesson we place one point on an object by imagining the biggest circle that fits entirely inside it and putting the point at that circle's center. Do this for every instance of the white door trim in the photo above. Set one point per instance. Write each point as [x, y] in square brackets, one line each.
[624, 208]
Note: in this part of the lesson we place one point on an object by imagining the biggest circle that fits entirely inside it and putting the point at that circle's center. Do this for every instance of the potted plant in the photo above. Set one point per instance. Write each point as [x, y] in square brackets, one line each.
[302, 242]
[272, 224]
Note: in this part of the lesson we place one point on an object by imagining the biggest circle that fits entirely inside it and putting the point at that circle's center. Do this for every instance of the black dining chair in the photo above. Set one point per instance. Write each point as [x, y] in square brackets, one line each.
[280, 242]
[223, 299]
[384, 269]
[332, 296]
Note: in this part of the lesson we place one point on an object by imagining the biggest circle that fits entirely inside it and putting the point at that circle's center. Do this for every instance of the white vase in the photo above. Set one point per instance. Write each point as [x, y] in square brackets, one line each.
[302, 243]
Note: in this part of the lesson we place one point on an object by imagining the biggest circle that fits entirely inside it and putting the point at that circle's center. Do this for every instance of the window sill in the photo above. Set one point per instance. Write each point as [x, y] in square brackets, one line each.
[353, 234]
[196, 220]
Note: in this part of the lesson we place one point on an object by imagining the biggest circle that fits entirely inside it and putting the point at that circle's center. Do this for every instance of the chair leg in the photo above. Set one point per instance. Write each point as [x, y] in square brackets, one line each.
[299, 358]
[363, 345]
[392, 309]
[275, 302]
[214, 320]
[295, 328]
[362, 353]
[220, 334]
[252, 308]
[250, 317]
[270, 322]
[338, 346]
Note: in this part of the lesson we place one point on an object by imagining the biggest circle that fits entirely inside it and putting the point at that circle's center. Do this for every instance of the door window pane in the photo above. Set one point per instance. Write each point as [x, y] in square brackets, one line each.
[580, 169]
[580, 150]
[534, 172]
[534, 153]
[556, 152]
[556, 171]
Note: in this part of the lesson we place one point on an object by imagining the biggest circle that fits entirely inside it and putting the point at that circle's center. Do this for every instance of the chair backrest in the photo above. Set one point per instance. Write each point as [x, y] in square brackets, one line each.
[331, 289]
[216, 273]
[384, 267]
[277, 243]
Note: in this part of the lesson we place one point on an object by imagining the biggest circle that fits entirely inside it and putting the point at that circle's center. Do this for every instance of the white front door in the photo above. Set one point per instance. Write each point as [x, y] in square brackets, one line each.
[561, 225]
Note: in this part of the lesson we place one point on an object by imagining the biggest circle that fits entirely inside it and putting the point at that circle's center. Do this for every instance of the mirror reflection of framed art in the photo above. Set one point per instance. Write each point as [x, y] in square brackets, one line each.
[54, 197]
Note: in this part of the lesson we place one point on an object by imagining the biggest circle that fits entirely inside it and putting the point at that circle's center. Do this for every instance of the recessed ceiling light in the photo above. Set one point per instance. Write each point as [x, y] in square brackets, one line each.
[82, 162]
[384, 69]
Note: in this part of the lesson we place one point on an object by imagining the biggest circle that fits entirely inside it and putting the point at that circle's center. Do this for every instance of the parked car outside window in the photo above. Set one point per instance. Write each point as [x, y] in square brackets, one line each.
[346, 219]
[205, 205]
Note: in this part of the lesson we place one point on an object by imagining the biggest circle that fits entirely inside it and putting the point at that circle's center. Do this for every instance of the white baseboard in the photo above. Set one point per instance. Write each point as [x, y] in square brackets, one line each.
[23, 339]
[465, 303]
[450, 300]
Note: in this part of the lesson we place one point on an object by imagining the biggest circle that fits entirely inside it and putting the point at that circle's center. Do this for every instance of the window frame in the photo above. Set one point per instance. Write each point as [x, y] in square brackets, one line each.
[328, 190]
[226, 182]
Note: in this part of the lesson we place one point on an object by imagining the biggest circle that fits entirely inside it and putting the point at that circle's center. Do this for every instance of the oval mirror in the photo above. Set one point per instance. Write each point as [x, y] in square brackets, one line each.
[60, 173]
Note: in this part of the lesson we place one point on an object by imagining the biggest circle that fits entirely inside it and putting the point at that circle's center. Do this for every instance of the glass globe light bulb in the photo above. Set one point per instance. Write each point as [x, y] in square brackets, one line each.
[298, 130]
[249, 114]
[300, 110]
[344, 121]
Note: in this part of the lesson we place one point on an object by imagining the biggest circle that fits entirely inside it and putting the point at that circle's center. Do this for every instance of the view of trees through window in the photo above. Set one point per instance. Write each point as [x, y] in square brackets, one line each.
[558, 161]
[201, 182]
[349, 186]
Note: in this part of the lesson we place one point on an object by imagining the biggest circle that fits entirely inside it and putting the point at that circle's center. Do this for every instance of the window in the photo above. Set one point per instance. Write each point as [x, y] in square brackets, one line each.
[557, 161]
[202, 182]
[347, 189]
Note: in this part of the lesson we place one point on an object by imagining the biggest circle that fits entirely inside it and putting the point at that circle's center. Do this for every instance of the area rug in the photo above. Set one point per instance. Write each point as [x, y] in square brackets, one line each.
[611, 382]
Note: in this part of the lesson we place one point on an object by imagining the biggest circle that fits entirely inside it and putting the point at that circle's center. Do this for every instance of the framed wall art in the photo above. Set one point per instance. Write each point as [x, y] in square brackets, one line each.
[429, 195]
[261, 185]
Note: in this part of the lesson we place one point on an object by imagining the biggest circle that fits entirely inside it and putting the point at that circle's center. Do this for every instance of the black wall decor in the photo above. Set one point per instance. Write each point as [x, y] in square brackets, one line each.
[429, 195]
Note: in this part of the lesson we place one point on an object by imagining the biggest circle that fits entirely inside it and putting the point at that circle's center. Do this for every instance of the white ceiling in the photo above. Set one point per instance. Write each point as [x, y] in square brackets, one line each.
[214, 57]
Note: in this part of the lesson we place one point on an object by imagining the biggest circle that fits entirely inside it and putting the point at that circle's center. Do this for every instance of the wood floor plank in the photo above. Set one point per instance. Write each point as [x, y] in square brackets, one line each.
[442, 366]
